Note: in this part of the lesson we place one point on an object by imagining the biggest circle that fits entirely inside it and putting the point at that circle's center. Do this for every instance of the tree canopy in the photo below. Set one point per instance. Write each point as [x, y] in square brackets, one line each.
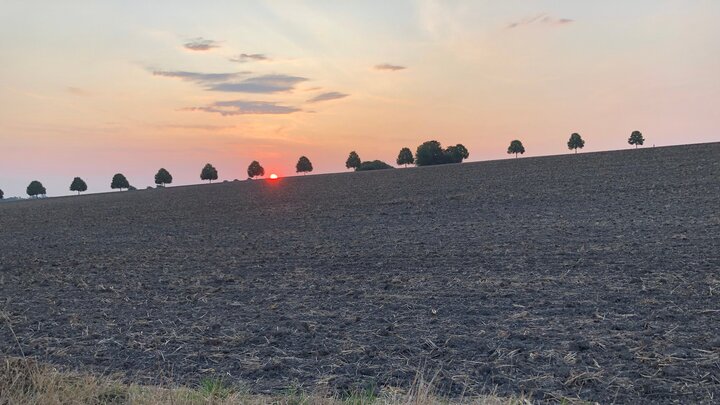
[35, 188]
[78, 185]
[303, 165]
[516, 147]
[255, 170]
[405, 157]
[432, 153]
[119, 181]
[209, 172]
[576, 142]
[2, 195]
[353, 161]
[429, 153]
[636, 138]
[373, 165]
[163, 177]
[456, 154]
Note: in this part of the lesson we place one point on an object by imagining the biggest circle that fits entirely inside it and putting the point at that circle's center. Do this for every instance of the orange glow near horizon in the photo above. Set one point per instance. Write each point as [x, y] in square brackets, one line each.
[273, 176]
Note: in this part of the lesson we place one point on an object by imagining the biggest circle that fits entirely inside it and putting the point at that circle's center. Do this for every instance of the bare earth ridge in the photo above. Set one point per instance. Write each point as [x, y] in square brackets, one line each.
[593, 276]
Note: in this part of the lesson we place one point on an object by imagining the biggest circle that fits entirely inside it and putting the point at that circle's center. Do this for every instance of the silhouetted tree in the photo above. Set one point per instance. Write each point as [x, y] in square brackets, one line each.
[353, 161]
[636, 138]
[432, 153]
[119, 181]
[373, 165]
[163, 177]
[429, 153]
[405, 157]
[576, 142]
[456, 154]
[78, 185]
[303, 165]
[2, 195]
[255, 170]
[209, 172]
[35, 189]
[516, 147]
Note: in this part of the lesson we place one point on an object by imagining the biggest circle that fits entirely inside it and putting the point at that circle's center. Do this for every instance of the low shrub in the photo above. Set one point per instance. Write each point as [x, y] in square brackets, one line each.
[374, 165]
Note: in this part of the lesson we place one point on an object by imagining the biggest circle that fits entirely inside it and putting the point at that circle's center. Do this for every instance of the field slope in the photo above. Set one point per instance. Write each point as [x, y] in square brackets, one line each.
[593, 276]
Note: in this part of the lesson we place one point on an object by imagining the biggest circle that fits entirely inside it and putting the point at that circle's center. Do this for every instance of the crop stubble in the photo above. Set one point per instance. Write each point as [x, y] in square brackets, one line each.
[591, 275]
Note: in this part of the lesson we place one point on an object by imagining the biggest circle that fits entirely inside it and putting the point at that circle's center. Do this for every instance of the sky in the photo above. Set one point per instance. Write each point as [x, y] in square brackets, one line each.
[93, 88]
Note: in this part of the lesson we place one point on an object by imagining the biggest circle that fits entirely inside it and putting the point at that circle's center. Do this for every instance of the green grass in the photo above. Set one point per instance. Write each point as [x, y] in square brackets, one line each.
[23, 381]
[215, 388]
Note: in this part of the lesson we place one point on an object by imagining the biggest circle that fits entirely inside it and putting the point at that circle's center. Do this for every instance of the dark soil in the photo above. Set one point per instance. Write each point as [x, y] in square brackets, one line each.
[593, 276]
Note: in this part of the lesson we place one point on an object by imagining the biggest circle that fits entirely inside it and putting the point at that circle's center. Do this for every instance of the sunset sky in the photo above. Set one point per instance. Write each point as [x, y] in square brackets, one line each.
[92, 88]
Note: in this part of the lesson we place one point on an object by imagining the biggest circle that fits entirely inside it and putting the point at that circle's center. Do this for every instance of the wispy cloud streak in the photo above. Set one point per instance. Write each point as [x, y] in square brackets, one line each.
[265, 84]
[333, 95]
[387, 66]
[203, 78]
[243, 107]
[540, 19]
[201, 44]
[230, 82]
[250, 57]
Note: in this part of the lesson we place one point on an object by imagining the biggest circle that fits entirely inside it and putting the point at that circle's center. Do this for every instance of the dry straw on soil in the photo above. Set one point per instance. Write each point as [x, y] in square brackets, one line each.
[24, 381]
[590, 276]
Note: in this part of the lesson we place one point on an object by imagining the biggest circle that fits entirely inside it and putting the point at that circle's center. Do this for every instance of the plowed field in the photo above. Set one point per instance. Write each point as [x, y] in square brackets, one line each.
[593, 276]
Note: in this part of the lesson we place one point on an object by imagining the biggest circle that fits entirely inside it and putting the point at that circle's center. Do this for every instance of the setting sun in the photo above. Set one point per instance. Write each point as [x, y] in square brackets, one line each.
[439, 158]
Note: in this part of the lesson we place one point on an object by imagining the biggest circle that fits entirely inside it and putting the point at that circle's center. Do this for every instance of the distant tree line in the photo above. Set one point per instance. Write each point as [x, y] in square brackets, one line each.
[255, 170]
[353, 162]
[427, 154]
[78, 185]
[163, 177]
[405, 157]
[119, 181]
[576, 142]
[516, 147]
[432, 153]
[303, 165]
[636, 138]
[35, 189]
[373, 165]
[209, 173]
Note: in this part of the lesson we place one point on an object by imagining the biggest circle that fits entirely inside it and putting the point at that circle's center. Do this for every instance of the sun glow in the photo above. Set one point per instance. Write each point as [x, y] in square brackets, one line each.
[273, 176]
